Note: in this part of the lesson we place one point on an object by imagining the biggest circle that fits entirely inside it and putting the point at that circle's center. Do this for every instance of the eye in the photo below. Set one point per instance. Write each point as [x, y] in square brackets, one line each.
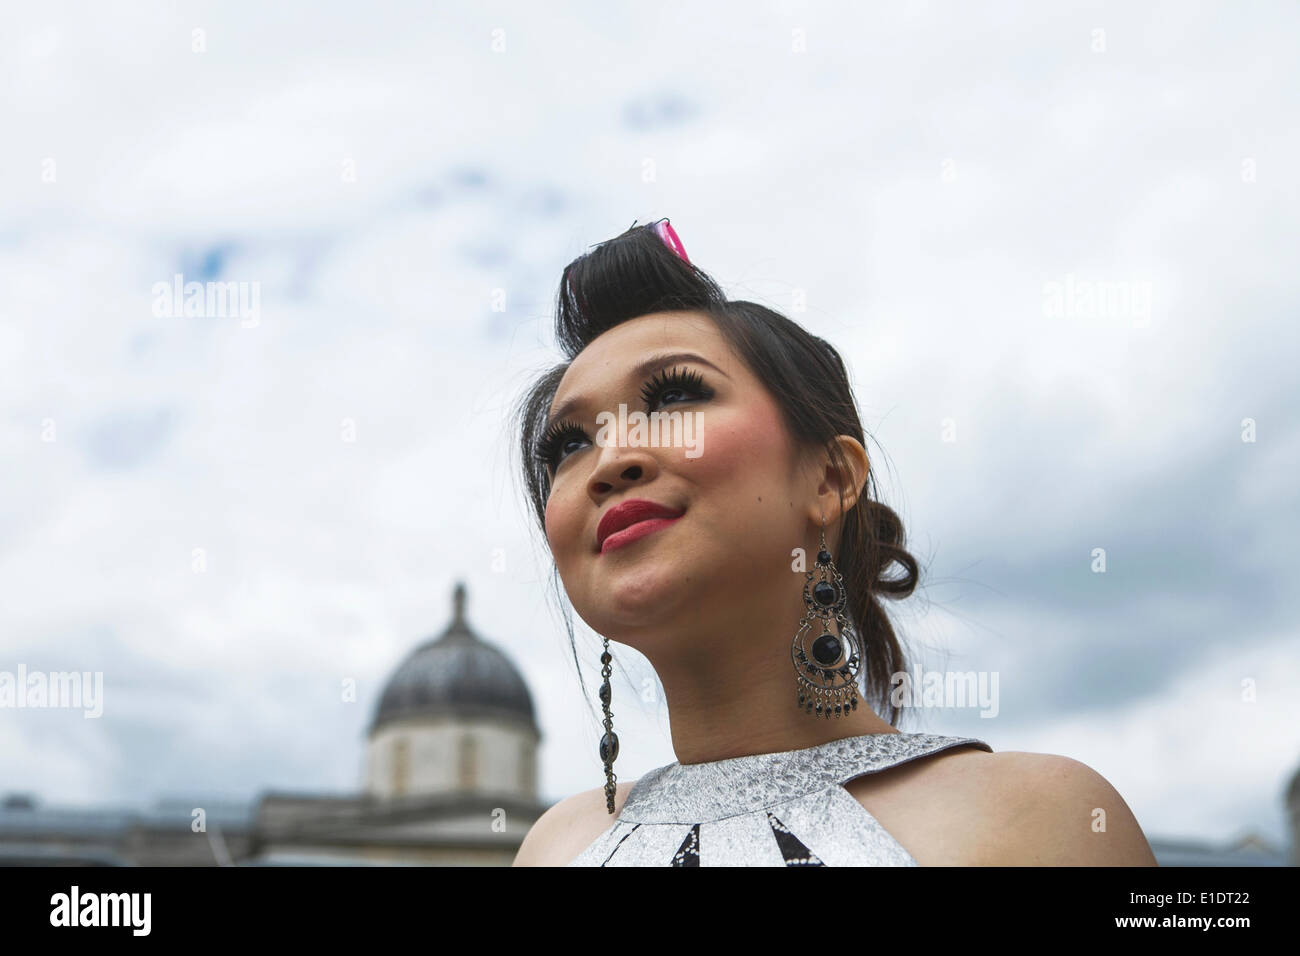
[662, 385]
[554, 446]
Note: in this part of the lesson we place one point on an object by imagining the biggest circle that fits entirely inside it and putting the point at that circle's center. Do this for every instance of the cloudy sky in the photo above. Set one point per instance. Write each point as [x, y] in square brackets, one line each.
[1054, 242]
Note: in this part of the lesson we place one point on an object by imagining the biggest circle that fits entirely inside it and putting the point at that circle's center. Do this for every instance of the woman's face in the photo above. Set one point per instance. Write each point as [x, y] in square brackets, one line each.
[743, 504]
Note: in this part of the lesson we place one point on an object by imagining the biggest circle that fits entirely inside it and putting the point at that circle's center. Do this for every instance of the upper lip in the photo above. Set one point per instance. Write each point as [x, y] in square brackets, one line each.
[628, 513]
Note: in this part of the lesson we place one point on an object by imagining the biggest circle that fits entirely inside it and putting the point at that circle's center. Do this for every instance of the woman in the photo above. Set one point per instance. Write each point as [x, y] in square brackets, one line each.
[698, 469]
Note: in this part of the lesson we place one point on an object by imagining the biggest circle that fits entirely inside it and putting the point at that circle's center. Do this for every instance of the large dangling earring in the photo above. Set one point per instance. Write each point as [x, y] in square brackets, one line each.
[827, 673]
[609, 742]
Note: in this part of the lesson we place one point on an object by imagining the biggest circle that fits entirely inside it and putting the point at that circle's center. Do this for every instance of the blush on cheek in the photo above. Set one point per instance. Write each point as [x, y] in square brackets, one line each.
[757, 434]
[557, 527]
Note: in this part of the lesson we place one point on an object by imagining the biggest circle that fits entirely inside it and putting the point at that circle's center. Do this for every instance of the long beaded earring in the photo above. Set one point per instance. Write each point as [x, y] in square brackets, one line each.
[609, 742]
[828, 677]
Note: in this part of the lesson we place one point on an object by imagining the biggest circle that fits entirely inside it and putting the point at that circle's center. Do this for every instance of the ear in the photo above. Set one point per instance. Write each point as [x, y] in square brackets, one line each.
[836, 480]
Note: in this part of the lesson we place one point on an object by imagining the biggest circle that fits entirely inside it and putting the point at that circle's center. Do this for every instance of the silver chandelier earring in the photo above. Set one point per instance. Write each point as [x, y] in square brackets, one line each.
[609, 742]
[827, 672]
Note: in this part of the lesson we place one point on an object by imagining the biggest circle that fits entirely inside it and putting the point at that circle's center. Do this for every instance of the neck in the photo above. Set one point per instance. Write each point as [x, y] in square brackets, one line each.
[731, 690]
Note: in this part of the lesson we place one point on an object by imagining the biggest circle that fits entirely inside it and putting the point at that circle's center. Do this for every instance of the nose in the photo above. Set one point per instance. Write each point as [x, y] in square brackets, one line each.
[619, 468]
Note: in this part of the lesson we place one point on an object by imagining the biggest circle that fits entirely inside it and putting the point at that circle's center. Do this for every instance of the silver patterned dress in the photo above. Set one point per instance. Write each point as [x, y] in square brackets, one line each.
[778, 809]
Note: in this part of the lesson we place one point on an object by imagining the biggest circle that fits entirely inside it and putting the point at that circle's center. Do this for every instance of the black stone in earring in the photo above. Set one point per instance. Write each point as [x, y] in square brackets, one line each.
[609, 742]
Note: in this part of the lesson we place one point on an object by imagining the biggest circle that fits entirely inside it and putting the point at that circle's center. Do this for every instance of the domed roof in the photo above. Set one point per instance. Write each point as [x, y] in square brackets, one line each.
[456, 674]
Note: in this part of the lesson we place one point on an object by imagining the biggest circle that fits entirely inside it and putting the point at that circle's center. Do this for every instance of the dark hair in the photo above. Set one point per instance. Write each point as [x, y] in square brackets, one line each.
[636, 274]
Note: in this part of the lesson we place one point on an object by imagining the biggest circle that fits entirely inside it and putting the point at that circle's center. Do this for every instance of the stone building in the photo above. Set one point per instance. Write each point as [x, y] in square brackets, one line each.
[451, 779]
[451, 772]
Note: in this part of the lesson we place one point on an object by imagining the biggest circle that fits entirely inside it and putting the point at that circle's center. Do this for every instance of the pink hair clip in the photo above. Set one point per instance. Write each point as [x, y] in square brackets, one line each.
[669, 235]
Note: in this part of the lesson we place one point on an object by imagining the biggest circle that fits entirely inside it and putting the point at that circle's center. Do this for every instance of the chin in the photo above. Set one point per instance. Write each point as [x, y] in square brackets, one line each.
[637, 595]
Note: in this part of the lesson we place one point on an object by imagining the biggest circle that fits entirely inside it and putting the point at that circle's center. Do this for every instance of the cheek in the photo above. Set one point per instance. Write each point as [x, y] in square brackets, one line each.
[560, 526]
[745, 488]
[742, 449]
[551, 516]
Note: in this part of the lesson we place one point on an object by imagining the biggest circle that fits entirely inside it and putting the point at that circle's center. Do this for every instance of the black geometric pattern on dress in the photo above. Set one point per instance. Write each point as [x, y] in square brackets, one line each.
[688, 854]
[619, 844]
[792, 848]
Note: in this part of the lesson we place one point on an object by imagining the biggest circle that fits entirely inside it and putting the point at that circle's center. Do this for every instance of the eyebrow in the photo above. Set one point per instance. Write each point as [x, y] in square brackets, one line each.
[640, 370]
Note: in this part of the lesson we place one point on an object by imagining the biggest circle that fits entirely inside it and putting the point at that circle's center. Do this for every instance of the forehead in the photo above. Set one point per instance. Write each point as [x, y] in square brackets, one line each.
[611, 354]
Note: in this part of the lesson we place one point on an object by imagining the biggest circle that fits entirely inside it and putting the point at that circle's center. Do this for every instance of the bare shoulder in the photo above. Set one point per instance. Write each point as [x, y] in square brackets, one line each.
[969, 807]
[569, 827]
[1050, 810]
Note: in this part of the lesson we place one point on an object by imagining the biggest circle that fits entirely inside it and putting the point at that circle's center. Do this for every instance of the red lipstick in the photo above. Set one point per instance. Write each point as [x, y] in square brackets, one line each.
[632, 519]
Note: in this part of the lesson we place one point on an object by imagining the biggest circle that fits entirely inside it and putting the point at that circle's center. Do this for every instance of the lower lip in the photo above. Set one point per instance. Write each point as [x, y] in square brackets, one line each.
[634, 532]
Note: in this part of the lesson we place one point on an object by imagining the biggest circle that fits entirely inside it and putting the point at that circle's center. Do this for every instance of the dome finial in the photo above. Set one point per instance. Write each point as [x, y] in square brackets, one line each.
[458, 605]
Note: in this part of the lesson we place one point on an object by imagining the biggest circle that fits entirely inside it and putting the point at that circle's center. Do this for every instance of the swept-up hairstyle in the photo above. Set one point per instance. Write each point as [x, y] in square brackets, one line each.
[635, 274]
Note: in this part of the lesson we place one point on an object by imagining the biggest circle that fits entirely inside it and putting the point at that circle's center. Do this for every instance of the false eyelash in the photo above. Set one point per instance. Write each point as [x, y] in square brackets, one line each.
[548, 449]
[687, 380]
